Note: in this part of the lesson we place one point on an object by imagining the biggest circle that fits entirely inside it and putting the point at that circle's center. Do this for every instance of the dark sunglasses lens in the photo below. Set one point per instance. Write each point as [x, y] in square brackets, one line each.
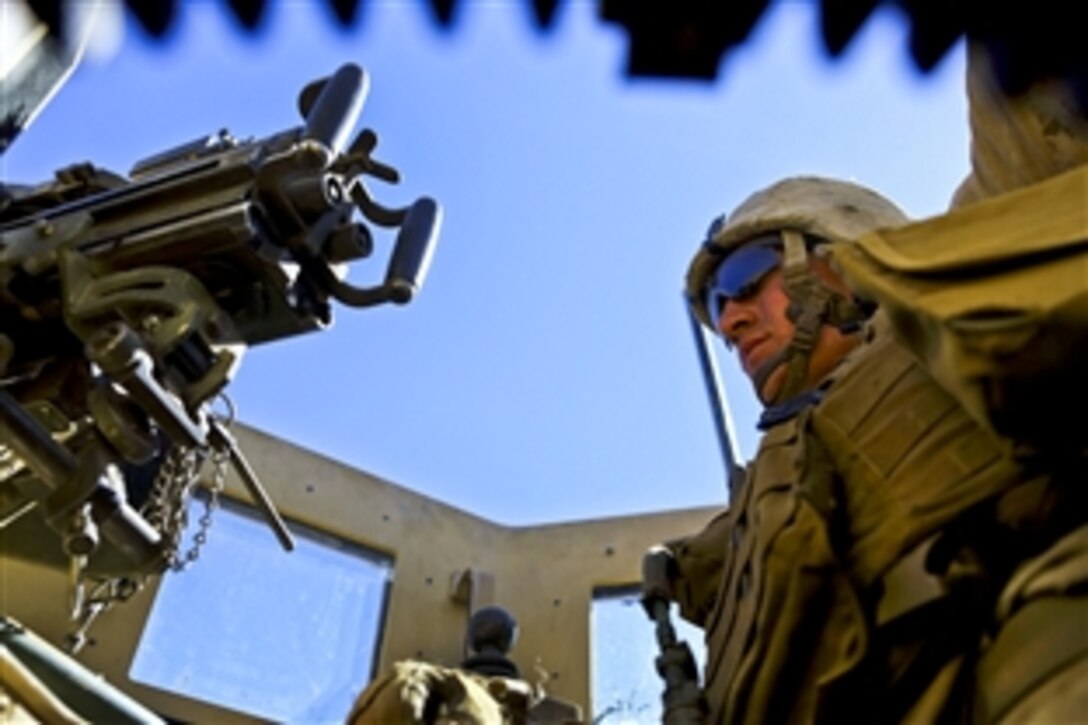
[738, 275]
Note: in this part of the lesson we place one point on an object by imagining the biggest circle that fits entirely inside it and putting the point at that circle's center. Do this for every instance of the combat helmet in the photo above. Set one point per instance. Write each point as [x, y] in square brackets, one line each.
[807, 212]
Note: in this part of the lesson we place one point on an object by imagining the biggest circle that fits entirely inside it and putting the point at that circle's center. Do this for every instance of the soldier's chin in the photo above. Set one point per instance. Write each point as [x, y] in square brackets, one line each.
[772, 386]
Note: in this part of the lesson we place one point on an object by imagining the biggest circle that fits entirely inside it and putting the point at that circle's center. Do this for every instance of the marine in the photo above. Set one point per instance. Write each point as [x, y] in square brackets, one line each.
[910, 541]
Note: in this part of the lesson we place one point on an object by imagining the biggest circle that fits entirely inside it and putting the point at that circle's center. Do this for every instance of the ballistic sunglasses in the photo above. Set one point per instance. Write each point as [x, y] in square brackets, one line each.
[740, 274]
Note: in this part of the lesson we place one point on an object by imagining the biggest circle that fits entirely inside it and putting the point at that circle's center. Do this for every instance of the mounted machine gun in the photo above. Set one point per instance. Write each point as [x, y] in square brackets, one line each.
[126, 304]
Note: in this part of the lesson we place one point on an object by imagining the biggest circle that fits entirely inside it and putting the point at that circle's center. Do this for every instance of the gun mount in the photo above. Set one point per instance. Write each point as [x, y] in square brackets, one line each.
[126, 304]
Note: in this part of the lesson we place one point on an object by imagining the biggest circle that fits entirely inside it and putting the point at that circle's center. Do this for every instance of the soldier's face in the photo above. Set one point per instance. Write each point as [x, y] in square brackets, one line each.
[758, 328]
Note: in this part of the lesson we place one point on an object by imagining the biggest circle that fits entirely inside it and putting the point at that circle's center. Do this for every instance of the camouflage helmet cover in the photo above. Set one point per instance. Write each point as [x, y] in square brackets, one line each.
[838, 211]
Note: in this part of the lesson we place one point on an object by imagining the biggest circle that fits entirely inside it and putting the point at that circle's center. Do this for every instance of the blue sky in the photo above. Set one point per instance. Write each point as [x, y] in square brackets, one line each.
[547, 370]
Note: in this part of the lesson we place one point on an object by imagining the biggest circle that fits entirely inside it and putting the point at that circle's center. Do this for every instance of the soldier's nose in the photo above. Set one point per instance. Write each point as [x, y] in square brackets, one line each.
[736, 316]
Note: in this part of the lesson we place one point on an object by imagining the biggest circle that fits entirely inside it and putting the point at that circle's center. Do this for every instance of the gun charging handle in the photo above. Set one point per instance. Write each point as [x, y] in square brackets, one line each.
[221, 438]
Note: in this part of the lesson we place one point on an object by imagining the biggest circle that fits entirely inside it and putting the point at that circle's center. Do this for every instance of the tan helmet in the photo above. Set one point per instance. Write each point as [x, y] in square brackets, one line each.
[838, 211]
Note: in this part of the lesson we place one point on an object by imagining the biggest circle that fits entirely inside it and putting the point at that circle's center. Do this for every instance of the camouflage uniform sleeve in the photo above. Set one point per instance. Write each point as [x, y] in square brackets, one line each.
[699, 561]
[1019, 141]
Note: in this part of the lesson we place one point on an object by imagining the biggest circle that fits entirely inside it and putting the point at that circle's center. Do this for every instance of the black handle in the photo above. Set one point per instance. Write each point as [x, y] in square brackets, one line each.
[415, 246]
[332, 115]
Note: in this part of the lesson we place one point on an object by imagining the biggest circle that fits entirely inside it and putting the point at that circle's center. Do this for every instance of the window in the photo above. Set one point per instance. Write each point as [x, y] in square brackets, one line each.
[290, 637]
[625, 686]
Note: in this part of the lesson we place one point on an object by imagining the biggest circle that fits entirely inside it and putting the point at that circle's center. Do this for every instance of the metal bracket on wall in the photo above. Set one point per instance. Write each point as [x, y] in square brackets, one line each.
[473, 588]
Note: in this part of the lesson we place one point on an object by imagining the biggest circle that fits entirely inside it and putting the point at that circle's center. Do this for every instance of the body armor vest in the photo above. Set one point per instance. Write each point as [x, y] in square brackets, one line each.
[835, 500]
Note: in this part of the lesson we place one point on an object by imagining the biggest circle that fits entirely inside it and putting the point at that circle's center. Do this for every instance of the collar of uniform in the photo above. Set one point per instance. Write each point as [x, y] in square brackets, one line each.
[782, 412]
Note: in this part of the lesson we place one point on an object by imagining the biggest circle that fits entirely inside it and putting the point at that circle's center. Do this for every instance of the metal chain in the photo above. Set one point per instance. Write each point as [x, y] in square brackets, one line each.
[220, 461]
[167, 510]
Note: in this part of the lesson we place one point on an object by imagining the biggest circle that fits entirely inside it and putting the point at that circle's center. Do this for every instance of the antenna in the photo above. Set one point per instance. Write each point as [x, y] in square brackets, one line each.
[715, 390]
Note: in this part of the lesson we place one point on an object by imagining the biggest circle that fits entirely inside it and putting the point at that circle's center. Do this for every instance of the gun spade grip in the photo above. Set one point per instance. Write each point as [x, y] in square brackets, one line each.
[415, 246]
[333, 115]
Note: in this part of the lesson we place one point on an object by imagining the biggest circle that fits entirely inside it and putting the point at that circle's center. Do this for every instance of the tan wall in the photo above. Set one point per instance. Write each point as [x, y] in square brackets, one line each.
[545, 575]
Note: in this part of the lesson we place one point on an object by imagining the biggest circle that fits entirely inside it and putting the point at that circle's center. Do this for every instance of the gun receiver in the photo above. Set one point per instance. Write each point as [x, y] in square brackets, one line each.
[126, 304]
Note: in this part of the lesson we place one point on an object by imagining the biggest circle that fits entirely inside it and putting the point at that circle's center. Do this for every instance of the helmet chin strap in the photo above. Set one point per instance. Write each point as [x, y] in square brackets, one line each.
[812, 304]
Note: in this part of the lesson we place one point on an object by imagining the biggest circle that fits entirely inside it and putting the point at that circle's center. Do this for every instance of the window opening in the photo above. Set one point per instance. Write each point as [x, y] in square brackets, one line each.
[291, 637]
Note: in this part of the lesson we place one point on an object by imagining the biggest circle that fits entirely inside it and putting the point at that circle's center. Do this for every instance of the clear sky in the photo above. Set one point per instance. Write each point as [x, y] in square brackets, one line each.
[547, 370]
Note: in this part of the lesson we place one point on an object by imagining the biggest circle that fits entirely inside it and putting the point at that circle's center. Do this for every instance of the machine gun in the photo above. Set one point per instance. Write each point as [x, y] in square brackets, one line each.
[126, 305]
